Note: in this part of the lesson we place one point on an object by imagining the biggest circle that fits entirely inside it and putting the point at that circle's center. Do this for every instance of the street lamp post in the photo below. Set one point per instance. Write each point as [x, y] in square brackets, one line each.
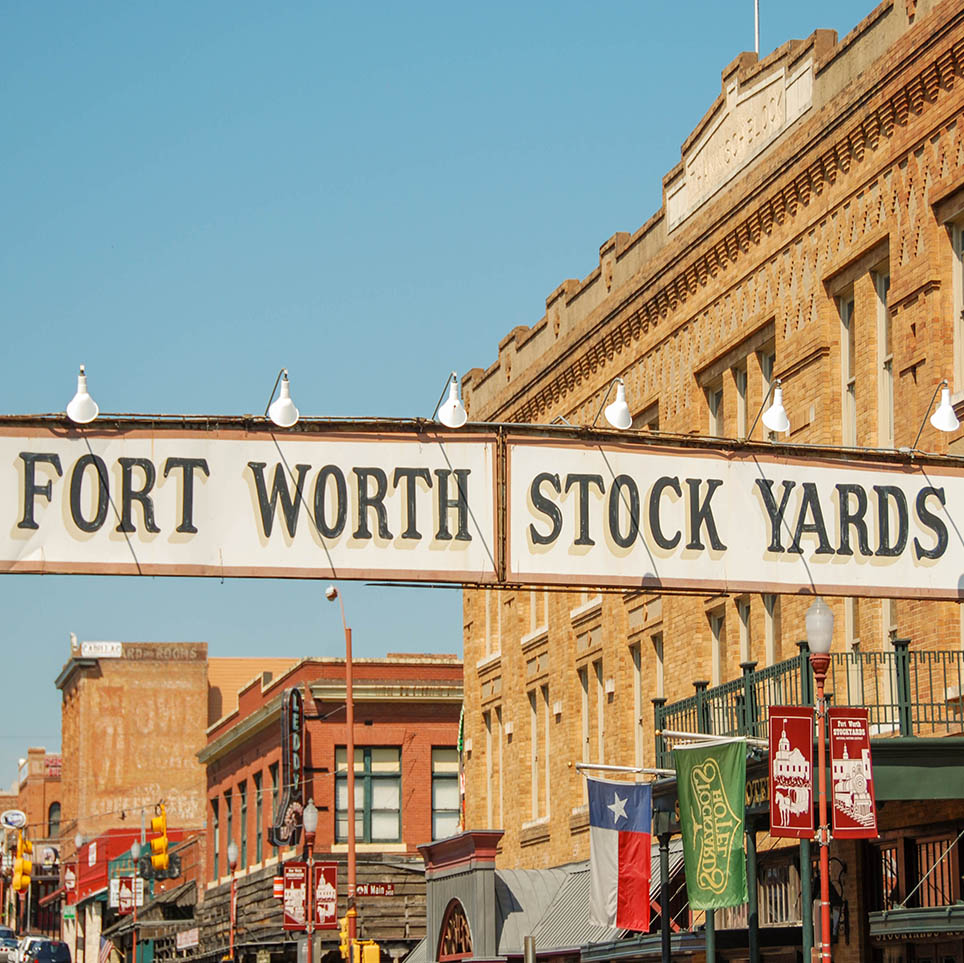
[232, 865]
[331, 593]
[309, 819]
[819, 620]
[135, 856]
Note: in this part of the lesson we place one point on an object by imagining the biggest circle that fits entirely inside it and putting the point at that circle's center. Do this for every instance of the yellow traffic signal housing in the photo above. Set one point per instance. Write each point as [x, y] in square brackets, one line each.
[159, 857]
[22, 867]
[367, 951]
[343, 937]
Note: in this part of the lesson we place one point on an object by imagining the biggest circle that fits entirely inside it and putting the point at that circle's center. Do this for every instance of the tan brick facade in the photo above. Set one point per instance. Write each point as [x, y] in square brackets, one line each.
[858, 198]
[132, 726]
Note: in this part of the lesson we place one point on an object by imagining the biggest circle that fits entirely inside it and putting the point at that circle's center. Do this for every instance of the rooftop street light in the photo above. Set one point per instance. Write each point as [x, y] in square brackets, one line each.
[617, 414]
[282, 410]
[452, 412]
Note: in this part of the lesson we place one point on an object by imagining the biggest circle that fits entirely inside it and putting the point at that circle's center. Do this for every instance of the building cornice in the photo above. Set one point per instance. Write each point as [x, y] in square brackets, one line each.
[334, 691]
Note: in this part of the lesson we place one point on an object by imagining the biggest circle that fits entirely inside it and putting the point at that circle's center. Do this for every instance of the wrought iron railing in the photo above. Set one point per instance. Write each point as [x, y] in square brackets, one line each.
[908, 692]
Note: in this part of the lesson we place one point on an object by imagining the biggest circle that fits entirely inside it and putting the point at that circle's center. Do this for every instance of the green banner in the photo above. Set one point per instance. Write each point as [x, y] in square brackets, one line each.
[711, 783]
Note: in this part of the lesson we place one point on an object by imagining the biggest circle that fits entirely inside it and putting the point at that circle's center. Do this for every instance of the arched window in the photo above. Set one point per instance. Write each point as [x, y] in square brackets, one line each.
[53, 821]
[455, 943]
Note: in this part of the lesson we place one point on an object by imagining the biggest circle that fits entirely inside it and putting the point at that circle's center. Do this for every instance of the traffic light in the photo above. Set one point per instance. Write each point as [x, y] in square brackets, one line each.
[343, 937]
[159, 857]
[22, 867]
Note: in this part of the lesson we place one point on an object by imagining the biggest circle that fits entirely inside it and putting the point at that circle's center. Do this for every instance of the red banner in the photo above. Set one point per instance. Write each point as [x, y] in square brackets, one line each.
[791, 771]
[851, 775]
[296, 895]
[325, 893]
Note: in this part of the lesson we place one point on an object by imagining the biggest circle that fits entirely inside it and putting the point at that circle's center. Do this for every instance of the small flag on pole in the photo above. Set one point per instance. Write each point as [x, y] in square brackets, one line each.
[106, 948]
[620, 828]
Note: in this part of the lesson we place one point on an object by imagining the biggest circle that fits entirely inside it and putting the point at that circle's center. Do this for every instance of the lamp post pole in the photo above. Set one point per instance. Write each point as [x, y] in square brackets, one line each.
[819, 620]
[331, 593]
[233, 910]
[135, 856]
[309, 819]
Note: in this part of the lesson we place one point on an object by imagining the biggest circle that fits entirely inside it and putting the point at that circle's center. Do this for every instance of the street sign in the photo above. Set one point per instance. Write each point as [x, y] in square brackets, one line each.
[123, 892]
[375, 889]
[791, 771]
[70, 879]
[295, 895]
[325, 894]
[70, 912]
[13, 819]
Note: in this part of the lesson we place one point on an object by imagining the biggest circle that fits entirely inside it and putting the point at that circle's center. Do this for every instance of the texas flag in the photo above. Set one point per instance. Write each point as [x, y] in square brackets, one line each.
[620, 823]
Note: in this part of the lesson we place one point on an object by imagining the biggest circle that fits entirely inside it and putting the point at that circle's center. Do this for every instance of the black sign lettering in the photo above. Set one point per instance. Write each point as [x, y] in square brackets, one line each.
[810, 507]
[934, 522]
[76, 489]
[341, 501]
[701, 513]
[885, 547]
[624, 484]
[655, 525]
[290, 503]
[582, 482]
[372, 500]
[545, 506]
[30, 487]
[130, 494]
[409, 475]
[187, 467]
[775, 513]
[855, 519]
[460, 503]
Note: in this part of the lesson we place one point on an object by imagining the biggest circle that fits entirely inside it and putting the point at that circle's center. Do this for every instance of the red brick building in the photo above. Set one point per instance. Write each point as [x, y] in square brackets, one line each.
[406, 770]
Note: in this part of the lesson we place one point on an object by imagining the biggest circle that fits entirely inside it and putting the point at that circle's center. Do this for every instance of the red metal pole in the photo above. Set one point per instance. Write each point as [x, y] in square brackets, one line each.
[310, 907]
[820, 665]
[231, 950]
[350, 738]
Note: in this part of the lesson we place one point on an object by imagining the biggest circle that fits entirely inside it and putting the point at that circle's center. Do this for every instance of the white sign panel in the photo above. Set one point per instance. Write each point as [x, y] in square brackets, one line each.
[714, 520]
[300, 505]
[101, 650]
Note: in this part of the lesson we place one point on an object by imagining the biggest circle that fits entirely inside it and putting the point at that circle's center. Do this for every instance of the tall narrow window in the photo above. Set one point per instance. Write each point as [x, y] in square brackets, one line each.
[258, 820]
[714, 402]
[717, 632]
[584, 705]
[885, 355]
[658, 653]
[851, 624]
[848, 370]
[445, 792]
[489, 769]
[957, 243]
[771, 628]
[273, 770]
[215, 839]
[53, 821]
[500, 745]
[243, 804]
[229, 815]
[739, 381]
[636, 652]
[743, 612]
[546, 754]
[534, 760]
[600, 704]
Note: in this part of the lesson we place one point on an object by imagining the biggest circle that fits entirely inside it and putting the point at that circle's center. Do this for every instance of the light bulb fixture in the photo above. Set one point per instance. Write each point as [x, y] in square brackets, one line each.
[943, 418]
[451, 412]
[775, 417]
[617, 414]
[282, 411]
[82, 409]
[232, 855]
[135, 850]
[819, 620]
[79, 840]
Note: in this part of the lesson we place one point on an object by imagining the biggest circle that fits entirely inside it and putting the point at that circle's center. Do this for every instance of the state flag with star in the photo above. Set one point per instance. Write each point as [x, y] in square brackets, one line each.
[620, 836]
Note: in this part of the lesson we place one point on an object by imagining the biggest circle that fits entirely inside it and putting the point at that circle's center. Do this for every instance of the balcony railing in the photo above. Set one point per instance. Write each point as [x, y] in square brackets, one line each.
[907, 693]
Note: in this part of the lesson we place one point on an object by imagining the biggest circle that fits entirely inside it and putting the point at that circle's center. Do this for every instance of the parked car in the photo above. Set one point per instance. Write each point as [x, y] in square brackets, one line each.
[8, 948]
[6, 933]
[26, 943]
[48, 951]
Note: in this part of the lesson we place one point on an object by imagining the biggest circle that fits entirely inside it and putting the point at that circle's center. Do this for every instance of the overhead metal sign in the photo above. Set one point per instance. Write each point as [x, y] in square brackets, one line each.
[515, 504]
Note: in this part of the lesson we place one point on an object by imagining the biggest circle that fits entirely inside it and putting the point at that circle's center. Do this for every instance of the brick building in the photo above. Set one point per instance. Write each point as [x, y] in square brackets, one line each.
[407, 711]
[813, 232]
[38, 796]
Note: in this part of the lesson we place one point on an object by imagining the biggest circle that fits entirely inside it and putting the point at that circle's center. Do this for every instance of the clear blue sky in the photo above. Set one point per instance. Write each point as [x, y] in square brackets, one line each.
[193, 195]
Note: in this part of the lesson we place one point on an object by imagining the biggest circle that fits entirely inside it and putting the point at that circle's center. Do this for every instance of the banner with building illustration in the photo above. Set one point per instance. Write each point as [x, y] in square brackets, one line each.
[851, 774]
[711, 784]
[791, 771]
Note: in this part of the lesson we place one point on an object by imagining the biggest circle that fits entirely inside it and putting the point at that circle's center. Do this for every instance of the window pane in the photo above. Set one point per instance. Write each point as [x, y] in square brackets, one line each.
[445, 825]
[445, 794]
[385, 794]
[445, 760]
[385, 826]
[386, 760]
